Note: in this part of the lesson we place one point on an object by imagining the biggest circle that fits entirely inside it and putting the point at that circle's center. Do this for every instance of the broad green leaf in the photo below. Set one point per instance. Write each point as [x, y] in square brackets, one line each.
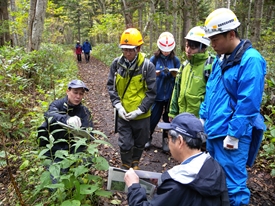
[55, 170]
[71, 203]
[86, 189]
[101, 163]
[25, 164]
[80, 170]
[103, 193]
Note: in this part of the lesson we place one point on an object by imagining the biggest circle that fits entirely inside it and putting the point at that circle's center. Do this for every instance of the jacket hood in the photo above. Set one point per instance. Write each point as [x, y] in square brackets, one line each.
[201, 173]
[236, 56]
[198, 58]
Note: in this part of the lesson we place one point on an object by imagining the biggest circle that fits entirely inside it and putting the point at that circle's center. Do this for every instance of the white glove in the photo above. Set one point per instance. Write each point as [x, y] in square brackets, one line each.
[230, 143]
[121, 111]
[74, 121]
[132, 115]
[202, 121]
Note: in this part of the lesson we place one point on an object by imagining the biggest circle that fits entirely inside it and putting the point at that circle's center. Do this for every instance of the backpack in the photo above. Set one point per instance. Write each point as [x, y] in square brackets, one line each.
[208, 66]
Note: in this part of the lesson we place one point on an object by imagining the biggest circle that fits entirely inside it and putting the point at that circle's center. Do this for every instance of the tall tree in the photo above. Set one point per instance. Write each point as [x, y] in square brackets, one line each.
[36, 23]
[126, 5]
[258, 7]
[14, 34]
[4, 23]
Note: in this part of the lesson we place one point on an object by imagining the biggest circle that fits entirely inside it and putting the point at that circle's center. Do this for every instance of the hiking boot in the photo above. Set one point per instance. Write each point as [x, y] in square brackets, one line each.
[165, 147]
[135, 165]
[148, 144]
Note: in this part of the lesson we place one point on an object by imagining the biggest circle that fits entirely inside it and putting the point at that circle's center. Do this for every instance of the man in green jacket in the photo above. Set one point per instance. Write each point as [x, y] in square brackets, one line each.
[132, 89]
[189, 89]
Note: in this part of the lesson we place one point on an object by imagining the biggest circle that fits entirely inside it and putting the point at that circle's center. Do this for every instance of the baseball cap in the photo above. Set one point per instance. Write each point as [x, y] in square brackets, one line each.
[77, 84]
[186, 124]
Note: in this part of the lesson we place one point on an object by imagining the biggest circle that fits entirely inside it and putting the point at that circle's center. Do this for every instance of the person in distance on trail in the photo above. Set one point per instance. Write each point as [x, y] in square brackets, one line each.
[87, 48]
[233, 100]
[163, 59]
[78, 51]
[132, 89]
[198, 180]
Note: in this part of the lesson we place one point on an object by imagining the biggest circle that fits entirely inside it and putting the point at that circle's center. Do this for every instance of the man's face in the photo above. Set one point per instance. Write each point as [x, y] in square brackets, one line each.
[173, 147]
[130, 54]
[190, 51]
[221, 44]
[75, 96]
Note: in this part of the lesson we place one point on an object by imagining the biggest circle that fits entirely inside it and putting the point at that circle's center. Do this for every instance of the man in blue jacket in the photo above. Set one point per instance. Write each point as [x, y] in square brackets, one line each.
[87, 48]
[233, 99]
[198, 180]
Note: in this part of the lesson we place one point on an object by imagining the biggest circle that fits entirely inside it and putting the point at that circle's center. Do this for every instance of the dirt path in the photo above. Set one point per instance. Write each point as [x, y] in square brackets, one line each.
[95, 74]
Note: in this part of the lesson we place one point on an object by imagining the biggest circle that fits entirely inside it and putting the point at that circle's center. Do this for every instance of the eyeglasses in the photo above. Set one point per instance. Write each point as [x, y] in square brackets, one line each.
[128, 50]
[191, 47]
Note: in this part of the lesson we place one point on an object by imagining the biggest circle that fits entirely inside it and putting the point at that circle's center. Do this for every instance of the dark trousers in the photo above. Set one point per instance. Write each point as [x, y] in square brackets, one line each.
[87, 56]
[79, 57]
[159, 108]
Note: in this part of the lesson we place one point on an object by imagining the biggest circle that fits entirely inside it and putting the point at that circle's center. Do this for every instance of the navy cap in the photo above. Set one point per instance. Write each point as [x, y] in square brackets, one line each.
[186, 124]
[77, 84]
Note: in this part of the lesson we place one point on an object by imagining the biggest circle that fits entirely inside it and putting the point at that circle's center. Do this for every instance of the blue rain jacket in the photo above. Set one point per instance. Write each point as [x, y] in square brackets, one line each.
[243, 75]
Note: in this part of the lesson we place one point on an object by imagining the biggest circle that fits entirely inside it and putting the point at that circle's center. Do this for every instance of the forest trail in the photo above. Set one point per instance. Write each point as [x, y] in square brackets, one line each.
[95, 74]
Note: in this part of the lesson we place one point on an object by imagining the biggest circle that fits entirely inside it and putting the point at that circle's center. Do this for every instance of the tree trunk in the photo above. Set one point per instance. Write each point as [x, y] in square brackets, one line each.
[248, 19]
[4, 22]
[14, 33]
[175, 21]
[127, 13]
[258, 19]
[186, 22]
[36, 23]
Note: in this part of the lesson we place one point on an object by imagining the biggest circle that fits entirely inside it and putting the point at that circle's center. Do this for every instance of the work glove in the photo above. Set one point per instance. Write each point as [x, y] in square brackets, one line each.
[121, 111]
[230, 143]
[74, 121]
[165, 70]
[132, 115]
[202, 121]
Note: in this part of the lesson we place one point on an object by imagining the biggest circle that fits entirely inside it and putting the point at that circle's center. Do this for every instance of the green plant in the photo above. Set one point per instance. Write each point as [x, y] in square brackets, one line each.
[68, 175]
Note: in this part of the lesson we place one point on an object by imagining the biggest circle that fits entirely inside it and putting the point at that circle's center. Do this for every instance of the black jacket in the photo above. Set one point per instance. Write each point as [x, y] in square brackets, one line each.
[60, 110]
[198, 181]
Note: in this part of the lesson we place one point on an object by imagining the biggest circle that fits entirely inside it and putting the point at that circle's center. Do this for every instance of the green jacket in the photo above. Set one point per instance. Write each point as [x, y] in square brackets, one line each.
[189, 89]
[141, 91]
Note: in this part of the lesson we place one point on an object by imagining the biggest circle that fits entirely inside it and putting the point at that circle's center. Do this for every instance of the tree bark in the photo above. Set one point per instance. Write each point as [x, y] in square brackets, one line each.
[258, 20]
[14, 38]
[248, 19]
[4, 22]
[127, 14]
[186, 22]
[36, 23]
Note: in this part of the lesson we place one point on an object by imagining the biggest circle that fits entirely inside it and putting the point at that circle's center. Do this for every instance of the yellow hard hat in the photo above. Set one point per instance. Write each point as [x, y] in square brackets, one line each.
[130, 38]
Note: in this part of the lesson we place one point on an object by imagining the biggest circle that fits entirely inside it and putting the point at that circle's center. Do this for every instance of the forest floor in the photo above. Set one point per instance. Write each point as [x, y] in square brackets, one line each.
[95, 74]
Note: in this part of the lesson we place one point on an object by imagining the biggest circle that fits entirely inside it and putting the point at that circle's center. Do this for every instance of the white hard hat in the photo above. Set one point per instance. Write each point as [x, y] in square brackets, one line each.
[166, 42]
[219, 21]
[198, 34]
